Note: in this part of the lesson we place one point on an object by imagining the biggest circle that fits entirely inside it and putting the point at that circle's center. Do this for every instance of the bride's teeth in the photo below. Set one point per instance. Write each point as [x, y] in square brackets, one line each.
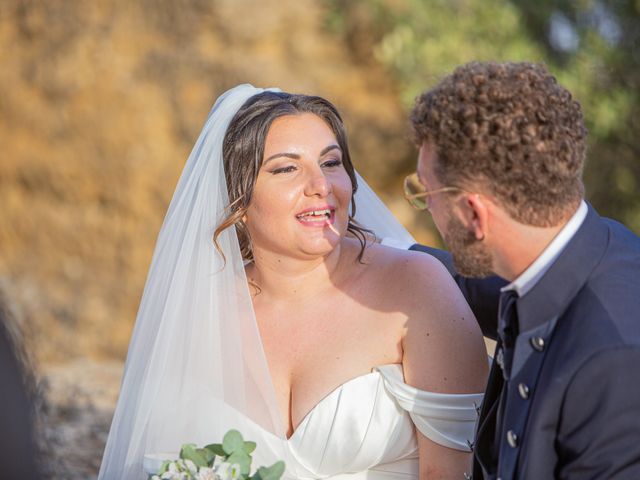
[316, 213]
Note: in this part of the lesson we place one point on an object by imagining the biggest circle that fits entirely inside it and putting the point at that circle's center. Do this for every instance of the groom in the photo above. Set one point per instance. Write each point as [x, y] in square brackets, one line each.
[502, 148]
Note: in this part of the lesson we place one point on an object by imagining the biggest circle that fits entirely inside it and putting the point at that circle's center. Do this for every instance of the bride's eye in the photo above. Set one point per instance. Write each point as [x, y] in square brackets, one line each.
[287, 169]
[332, 163]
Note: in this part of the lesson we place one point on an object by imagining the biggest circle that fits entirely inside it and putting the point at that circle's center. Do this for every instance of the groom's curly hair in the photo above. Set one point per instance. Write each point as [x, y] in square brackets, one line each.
[243, 151]
[511, 131]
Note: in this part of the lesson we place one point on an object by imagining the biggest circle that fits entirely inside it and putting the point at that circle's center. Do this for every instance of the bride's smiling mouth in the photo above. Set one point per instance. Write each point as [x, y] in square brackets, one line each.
[317, 216]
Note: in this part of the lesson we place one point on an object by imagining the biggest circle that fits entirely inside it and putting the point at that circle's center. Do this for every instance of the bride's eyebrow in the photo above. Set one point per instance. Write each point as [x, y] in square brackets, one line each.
[296, 156]
[327, 149]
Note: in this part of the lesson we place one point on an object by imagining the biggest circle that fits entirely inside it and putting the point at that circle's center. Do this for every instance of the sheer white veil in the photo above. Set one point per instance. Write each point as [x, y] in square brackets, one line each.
[195, 366]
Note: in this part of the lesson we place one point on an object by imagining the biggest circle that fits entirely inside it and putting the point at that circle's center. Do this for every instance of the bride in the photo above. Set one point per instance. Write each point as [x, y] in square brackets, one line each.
[270, 308]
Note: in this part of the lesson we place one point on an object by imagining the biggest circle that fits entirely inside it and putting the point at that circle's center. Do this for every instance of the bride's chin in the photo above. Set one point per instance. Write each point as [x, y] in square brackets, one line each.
[320, 247]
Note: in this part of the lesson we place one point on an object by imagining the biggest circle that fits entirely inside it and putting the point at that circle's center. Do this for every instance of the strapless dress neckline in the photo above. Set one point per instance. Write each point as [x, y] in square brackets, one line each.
[337, 391]
[366, 429]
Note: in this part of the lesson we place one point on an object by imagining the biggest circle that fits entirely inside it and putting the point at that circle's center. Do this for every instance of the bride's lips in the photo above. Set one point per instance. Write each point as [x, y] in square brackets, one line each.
[317, 216]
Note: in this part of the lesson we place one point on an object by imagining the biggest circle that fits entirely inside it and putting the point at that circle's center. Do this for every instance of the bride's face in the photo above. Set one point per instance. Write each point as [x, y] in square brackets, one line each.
[301, 198]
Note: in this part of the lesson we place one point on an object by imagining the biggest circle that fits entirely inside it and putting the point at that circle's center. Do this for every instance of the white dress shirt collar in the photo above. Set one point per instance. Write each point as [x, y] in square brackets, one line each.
[527, 279]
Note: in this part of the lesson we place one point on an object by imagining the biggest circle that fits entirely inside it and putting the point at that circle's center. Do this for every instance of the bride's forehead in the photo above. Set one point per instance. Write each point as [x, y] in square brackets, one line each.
[300, 128]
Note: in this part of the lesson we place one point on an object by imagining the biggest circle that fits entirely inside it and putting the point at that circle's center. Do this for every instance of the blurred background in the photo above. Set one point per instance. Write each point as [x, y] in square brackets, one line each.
[101, 102]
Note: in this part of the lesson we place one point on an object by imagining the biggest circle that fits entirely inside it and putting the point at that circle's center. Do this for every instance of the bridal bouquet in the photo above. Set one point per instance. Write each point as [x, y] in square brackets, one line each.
[229, 460]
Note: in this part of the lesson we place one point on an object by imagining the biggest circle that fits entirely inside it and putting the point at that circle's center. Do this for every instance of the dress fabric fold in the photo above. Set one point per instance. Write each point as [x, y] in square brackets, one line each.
[364, 429]
[447, 419]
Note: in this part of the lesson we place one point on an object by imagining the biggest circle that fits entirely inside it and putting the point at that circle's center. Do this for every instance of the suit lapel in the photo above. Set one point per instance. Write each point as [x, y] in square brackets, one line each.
[564, 279]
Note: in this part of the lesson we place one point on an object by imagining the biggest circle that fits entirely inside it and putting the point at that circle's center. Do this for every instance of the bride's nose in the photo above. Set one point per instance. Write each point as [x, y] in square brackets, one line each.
[317, 184]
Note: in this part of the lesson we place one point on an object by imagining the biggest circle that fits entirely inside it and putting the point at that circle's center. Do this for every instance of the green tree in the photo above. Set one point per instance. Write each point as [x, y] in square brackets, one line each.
[594, 46]
[591, 46]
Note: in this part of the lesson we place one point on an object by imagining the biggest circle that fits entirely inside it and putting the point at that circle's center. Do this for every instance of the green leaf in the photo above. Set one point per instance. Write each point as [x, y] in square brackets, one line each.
[256, 476]
[189, 452]
[232, 442]
[274, 472]
[187, 445]
[216, 449]
[164, 467]
[249, 447]
[242, 459]
[208, 455]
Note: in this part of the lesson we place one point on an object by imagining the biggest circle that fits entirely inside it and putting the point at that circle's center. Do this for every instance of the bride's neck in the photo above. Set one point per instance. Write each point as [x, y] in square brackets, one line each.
[282, 278]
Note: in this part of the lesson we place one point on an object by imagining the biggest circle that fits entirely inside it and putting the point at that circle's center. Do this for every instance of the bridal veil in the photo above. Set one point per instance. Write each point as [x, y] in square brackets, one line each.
[195, 366]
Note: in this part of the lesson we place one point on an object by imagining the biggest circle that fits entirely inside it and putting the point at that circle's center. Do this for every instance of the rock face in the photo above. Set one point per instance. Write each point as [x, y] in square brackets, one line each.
[76, 402]
[100, 103]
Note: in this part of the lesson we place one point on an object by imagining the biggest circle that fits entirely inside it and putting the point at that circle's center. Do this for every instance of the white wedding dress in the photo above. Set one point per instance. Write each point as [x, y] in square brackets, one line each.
[196, 366]
[364, 429]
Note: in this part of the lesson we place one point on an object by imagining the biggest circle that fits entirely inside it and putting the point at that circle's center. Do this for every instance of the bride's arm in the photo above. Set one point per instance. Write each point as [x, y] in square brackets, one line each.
[443, 352]
[482, 294]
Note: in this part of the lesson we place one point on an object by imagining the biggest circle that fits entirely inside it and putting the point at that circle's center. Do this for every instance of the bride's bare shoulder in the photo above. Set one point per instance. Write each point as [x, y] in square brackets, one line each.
[439, 323]
[404, 266]
[403, 280]
[416, 283]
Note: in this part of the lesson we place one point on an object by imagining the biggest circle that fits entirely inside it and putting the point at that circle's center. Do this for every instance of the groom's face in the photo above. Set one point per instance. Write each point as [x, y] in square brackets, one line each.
[471, 257]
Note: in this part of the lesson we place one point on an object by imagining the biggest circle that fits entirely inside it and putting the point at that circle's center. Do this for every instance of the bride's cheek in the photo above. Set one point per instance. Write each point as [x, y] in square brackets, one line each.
[342, 184]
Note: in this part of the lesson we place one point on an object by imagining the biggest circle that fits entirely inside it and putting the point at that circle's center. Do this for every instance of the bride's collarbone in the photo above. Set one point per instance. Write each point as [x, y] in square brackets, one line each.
[310, 363]
[311, 357]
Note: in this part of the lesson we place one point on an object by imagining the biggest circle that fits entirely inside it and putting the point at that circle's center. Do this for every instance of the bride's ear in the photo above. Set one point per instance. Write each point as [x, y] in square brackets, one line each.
[476, 213]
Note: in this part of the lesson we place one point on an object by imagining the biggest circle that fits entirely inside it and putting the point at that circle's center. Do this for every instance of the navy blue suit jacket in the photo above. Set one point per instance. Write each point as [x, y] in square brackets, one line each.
[573, 400]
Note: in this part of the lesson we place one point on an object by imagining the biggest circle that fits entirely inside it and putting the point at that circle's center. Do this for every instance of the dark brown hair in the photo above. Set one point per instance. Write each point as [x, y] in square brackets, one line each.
[511, 129]
[243, 151]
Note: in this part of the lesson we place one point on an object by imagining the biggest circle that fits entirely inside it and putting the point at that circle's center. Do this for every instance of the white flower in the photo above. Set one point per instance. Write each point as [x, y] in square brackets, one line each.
[235, 472]
[223, 471]
[155, 477]
[206, 473]
[191, 467]
[173, 472]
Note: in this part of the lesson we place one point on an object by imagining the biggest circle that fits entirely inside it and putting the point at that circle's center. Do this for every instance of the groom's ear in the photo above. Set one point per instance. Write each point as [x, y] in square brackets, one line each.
[477, 212]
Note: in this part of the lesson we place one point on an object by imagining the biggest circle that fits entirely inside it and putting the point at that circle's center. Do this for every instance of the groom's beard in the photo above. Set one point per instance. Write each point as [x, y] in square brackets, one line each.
[470, 256]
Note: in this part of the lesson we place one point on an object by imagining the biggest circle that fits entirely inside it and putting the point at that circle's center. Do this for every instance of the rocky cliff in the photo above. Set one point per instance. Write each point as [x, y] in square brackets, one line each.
[100, 103]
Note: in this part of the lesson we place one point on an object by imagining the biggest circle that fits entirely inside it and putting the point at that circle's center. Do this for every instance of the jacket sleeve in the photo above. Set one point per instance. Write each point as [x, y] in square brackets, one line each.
[600, 420]
[482, 294]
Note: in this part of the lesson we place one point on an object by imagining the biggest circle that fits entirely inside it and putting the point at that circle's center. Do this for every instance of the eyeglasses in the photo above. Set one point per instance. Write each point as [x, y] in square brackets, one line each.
[417, 196]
